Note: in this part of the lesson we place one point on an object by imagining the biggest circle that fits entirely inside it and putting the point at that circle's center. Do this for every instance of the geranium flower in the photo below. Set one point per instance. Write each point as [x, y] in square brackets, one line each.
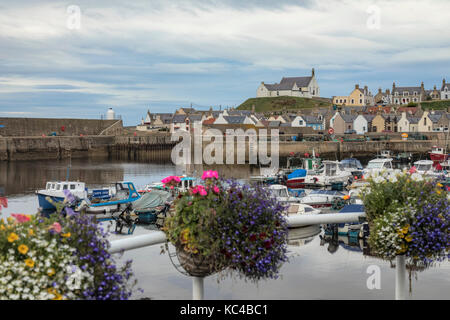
[216, 189]
[3, 202]
[21, 217]
[209, 174]
[55, 227]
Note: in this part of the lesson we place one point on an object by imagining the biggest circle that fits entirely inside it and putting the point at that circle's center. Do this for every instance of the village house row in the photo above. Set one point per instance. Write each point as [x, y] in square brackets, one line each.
[359, 120]
[360, 112]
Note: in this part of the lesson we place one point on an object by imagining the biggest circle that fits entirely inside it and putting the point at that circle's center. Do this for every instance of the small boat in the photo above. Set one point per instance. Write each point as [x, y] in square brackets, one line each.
[185, 184]
[150, 205]
[386, 154]
[125, 193]
[300, 208]
[425, 167]
[267, 176]
[322, 198]
[55, 190]
[377, 165]
[296, 180]
[333, 174]
[281, 193]
[437, 155]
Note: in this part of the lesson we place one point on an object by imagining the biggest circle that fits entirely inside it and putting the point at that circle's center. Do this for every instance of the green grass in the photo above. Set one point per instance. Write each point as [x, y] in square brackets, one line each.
[436, 105]
[284, 103]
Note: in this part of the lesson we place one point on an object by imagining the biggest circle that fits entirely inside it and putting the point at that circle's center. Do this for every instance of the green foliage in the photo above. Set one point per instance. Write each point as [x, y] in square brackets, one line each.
[283, 104]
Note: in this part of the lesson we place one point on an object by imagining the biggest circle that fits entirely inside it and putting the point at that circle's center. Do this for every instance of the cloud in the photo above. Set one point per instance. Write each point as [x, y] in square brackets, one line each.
[217, 52]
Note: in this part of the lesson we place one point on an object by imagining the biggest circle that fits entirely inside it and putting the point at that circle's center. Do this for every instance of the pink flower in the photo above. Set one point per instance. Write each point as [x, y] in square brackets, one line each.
[3, 202]
[20, 217]
[194, 190]
[177, 179]
[56, 227]
[203, 192]
[209, 174]
[216, 189]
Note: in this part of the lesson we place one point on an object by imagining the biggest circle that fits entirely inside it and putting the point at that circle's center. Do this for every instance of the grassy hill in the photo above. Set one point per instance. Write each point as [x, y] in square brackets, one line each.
[284, 104]
[436, 105]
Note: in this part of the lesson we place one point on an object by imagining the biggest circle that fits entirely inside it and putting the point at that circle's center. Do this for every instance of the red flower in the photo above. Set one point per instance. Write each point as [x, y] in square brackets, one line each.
[268, 244]
[262, 235]
[253, 237]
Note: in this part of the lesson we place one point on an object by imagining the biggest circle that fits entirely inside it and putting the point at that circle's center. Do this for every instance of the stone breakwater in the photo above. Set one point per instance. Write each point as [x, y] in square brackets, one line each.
[158, 146]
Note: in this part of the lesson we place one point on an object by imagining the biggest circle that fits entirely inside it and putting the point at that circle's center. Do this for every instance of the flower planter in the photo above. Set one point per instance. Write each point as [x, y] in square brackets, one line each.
[196, 265]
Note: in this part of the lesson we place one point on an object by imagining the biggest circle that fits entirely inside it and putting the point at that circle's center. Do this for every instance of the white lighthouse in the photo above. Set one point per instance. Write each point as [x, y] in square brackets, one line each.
[110, 114]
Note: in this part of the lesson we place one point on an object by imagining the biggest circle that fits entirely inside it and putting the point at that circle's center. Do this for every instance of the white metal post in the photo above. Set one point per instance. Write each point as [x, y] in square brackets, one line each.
[197, 288]
[400, 277]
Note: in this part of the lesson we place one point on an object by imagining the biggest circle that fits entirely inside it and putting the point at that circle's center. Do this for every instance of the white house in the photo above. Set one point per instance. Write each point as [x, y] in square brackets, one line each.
[298, 122]
[361, 124]
[295, 86]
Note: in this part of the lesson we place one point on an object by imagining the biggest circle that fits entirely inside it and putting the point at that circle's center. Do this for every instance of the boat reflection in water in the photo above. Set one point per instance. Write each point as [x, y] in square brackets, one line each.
[303, 235]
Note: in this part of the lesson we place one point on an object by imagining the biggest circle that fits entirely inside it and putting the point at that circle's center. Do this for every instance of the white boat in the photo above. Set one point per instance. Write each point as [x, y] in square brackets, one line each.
[55, 190]
[386, 154]
[425, 167]
[300, 208]
[377, 165]
[333, 173]
[281, 193]
[322, 198]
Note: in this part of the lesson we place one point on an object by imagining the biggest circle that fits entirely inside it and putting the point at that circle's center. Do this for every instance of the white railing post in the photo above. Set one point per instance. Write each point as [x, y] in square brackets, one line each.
[400, 278]
[197, 288]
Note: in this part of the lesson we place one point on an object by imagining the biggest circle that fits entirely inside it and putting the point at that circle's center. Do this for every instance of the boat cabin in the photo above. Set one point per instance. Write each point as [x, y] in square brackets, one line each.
[379, 164]
[279, 191]
[332, 168]
[386, 154]
[65, 185]
[351, 164]
[423, 166]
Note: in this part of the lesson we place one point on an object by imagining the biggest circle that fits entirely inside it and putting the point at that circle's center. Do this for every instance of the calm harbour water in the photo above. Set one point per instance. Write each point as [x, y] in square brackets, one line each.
[316, 270]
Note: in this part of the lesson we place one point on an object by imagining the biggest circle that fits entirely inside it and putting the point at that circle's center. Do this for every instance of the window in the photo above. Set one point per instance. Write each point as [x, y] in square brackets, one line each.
[48, 186]
[58, 187]
[353, 101]
[360, 100]
[278, 93]
[65, 187]
[405, 93]
[72, 187]
[424, 121]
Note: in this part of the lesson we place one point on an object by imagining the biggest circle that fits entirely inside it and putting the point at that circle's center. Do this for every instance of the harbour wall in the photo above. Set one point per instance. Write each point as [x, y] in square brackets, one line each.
[158, 147]
[27, 127]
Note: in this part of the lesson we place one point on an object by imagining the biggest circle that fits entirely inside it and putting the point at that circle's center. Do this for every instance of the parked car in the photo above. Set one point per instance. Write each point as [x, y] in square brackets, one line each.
[350, 132]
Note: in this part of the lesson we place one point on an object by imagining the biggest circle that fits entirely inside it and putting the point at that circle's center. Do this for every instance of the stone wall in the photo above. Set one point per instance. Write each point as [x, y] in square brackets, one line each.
[15, 127]
[34, 148]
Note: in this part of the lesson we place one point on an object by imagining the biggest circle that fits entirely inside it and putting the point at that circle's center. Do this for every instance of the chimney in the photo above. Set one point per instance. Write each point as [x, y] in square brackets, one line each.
[422, 86]
[253, 108]
[443, 83]
[393, 86]
[388, 92]
[356, 86]
[313, 72]
[379, 90]
[366, 90]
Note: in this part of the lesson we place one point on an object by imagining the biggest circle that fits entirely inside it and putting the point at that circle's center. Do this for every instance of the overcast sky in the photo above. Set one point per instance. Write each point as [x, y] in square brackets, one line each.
[160, 55]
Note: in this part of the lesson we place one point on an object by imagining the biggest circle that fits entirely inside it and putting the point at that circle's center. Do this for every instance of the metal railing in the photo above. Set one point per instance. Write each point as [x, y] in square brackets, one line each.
[159, 237]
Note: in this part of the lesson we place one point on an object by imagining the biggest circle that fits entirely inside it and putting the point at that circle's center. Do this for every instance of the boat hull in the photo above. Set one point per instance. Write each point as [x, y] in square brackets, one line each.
[44, 204]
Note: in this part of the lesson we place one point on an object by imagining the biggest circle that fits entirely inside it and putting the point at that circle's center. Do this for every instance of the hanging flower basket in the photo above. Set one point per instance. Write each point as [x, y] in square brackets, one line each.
[196, 265]
[223, 225]
[408, 215]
